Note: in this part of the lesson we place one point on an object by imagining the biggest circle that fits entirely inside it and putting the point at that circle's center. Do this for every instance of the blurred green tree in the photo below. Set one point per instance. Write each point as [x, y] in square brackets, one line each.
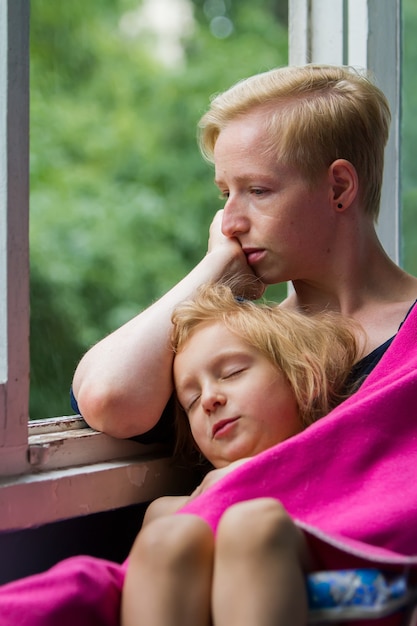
[121, 200]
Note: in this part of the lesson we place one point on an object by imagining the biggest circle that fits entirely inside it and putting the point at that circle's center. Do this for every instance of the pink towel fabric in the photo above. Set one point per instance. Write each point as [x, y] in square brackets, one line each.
[80, 591]
[349, 481]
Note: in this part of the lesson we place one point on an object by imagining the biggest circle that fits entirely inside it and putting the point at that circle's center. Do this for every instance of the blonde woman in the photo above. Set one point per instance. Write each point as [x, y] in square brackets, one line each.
[298, 156]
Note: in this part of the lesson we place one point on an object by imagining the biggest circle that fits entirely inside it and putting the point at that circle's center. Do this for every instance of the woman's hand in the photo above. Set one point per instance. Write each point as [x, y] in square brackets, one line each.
[238, 274]
[216, 237]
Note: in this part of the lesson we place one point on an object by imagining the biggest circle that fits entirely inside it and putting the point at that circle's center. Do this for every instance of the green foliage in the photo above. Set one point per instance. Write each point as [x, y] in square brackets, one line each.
[121, 200]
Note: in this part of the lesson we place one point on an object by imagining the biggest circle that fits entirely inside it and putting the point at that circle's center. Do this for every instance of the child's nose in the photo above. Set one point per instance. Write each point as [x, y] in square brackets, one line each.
[212, 399]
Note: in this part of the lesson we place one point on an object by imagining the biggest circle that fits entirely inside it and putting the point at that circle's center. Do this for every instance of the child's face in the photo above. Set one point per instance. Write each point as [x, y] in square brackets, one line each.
[237, 402]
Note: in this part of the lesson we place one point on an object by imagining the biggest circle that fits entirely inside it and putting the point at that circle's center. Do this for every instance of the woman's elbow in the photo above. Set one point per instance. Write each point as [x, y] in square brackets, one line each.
[113, 413]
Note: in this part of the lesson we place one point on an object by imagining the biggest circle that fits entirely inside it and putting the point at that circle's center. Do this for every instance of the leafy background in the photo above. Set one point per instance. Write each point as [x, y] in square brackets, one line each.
[121, 200]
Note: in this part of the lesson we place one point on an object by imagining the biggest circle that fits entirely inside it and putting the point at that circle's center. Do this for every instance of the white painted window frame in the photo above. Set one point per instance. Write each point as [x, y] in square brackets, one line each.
[364, 34]
[14, 233]
[59, 468]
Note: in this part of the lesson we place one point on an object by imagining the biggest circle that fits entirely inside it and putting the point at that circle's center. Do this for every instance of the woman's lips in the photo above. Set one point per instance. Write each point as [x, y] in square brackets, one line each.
[223, 427]
[253, 255]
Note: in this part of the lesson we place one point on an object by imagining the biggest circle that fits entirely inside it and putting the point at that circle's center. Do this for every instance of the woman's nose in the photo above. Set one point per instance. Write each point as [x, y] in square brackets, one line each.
[234, 220]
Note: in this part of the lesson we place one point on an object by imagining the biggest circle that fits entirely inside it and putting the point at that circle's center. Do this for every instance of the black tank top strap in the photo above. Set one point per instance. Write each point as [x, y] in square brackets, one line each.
[365, 366]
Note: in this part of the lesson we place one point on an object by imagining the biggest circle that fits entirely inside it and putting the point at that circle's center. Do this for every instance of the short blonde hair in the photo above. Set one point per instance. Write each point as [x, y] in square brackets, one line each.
[314, 114]
[315, 353]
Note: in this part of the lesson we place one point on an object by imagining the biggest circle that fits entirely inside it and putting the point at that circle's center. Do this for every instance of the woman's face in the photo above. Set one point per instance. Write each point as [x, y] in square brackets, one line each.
[237, 402]
[285, 226]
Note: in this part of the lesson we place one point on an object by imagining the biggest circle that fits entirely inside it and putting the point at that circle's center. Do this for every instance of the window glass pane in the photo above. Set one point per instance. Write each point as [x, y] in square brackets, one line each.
[120, 198]
[409, 137]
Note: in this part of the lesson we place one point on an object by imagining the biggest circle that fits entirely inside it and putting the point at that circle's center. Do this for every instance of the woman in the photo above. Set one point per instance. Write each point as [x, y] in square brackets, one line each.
[298, 155]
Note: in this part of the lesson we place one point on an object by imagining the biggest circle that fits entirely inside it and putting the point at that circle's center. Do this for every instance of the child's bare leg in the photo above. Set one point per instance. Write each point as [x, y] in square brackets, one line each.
[169, 576]
[258, 574]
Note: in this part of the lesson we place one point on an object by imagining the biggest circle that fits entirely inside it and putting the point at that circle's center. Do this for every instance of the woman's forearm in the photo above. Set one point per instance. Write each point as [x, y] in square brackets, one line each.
[122, 384]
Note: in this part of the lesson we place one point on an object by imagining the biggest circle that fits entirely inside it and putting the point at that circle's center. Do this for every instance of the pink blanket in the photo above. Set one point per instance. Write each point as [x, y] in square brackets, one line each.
[350, 481]
[80, 591]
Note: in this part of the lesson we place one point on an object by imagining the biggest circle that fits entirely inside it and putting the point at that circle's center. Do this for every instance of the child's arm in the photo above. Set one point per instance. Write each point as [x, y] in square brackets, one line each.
[215, 475]
[164, 506]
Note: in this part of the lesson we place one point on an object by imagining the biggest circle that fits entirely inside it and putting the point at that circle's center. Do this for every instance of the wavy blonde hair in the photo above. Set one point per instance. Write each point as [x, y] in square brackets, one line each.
[315, 353]
[314, 114]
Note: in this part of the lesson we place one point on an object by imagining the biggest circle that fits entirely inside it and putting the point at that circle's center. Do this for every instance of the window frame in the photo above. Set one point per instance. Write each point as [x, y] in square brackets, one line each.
[14, 234]
[364, 34]
[61, 465]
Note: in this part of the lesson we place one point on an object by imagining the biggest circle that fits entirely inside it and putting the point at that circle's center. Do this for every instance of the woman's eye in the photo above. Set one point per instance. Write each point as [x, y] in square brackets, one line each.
[258, 192]
[224, 195]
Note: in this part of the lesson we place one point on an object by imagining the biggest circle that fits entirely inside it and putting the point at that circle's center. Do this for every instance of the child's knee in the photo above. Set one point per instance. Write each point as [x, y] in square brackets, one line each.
[173, 539]
[257, 524]
[250, 514]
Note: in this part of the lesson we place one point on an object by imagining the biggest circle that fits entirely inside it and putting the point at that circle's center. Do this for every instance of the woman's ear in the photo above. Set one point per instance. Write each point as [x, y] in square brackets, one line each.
[344, 184]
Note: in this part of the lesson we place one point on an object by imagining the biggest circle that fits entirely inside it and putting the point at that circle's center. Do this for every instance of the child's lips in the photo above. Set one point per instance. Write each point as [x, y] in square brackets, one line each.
[222, 427]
